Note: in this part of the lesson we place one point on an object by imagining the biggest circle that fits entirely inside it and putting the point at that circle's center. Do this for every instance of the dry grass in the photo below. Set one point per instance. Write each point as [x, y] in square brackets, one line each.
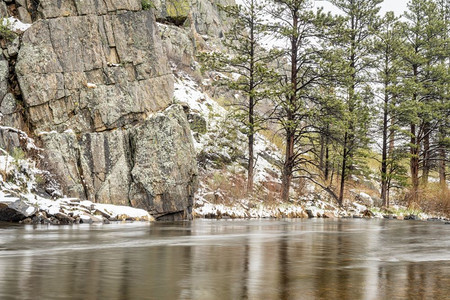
[435, 199]
[268, 191]
[4, 175]
[225, 187]
[274, 138]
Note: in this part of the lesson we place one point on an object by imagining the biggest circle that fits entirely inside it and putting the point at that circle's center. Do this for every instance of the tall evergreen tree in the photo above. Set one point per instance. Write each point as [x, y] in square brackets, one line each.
[422, 84]
[361, 22]
[246, 61]
[296, 25]
[443, 73]
[387, 43]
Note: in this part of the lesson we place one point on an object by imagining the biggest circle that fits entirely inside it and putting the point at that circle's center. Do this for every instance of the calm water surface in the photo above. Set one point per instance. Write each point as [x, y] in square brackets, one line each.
[241, 259]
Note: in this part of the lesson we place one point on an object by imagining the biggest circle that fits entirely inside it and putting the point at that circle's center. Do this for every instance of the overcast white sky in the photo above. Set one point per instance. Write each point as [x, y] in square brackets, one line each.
[397, 6]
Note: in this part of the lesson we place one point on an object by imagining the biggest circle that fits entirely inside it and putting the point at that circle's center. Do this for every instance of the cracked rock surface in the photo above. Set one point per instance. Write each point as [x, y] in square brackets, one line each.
[97, 90]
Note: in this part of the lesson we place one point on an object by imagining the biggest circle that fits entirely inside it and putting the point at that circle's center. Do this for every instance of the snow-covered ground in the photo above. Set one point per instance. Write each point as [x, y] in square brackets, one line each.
[220, 126]
[19, 178]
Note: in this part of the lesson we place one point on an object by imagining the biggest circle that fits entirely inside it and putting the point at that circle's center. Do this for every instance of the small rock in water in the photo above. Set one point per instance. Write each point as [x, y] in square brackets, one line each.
[328, 215]
[434, 220]
[64, 219]
[303, 215]
[26, 221]
[310, 213]
[85, 219]
[54, 221]
[368, 214]
[411, 217]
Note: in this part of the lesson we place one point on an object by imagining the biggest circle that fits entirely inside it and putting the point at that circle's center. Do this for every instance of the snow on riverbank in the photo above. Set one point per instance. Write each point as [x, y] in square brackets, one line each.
[303, 209]
[30, 208]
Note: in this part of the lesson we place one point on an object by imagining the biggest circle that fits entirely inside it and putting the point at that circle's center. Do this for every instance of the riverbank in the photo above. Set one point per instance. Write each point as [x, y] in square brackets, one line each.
[32, 209]
[305, 208]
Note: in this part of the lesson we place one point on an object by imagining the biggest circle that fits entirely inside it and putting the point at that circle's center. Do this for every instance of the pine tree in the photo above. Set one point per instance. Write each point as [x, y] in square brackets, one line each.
[387, 43]
[422, 85]
[443, 73]
[246, 61]
[361, 22]
[297, 26]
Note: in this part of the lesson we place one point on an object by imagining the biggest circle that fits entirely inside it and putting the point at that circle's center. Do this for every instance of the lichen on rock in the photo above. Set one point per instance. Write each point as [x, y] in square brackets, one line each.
[98, 92]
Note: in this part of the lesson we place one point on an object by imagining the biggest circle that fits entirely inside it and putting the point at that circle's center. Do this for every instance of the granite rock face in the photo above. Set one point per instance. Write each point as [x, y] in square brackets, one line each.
[204, 16]
[97, 90]
[207, 18]
[151, 165]
[93, 73]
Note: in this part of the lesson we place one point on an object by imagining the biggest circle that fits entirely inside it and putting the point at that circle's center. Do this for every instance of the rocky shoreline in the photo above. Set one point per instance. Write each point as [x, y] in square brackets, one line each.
[307, 209]
[66, 212]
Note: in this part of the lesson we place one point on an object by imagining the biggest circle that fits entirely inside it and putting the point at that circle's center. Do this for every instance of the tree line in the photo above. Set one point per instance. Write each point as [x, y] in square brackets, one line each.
[341, 85]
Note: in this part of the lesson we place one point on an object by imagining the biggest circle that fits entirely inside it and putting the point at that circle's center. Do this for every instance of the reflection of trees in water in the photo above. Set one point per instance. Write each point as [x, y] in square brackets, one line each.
[336, 276]
[292, 260]
[284, 264]
[414, 281]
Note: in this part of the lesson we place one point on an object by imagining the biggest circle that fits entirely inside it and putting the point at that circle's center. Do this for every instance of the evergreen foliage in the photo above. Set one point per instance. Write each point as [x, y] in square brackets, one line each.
[247, 64]
[341, 85]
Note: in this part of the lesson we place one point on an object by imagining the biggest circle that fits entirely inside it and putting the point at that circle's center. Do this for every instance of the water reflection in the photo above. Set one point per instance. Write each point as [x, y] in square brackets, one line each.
[313, 259]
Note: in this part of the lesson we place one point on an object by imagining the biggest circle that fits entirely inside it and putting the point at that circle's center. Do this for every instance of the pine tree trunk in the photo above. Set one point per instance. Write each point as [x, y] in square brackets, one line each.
[390, 154]
[391, 137]
[414, 166]
[326, 163]
[287, 168]
[426, 154]
[251, 164]
[327, 159]
[322, 153]
[442, 166]
[384, 174]
[442, 159]
[343, 171]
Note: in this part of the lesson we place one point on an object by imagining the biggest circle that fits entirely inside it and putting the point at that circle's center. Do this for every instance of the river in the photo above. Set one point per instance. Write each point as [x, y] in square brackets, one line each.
[227, 259]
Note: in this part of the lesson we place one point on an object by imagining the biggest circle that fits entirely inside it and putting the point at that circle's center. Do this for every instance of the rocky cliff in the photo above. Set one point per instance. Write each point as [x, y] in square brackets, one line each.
[90, 79]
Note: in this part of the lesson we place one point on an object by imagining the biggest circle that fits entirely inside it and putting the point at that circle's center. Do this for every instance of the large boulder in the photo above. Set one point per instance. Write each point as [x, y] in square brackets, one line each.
[365, 199]
[151, 165]
[15, 210]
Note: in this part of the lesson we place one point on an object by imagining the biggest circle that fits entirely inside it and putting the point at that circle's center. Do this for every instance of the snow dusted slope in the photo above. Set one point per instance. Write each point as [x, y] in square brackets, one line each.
[220, 128]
